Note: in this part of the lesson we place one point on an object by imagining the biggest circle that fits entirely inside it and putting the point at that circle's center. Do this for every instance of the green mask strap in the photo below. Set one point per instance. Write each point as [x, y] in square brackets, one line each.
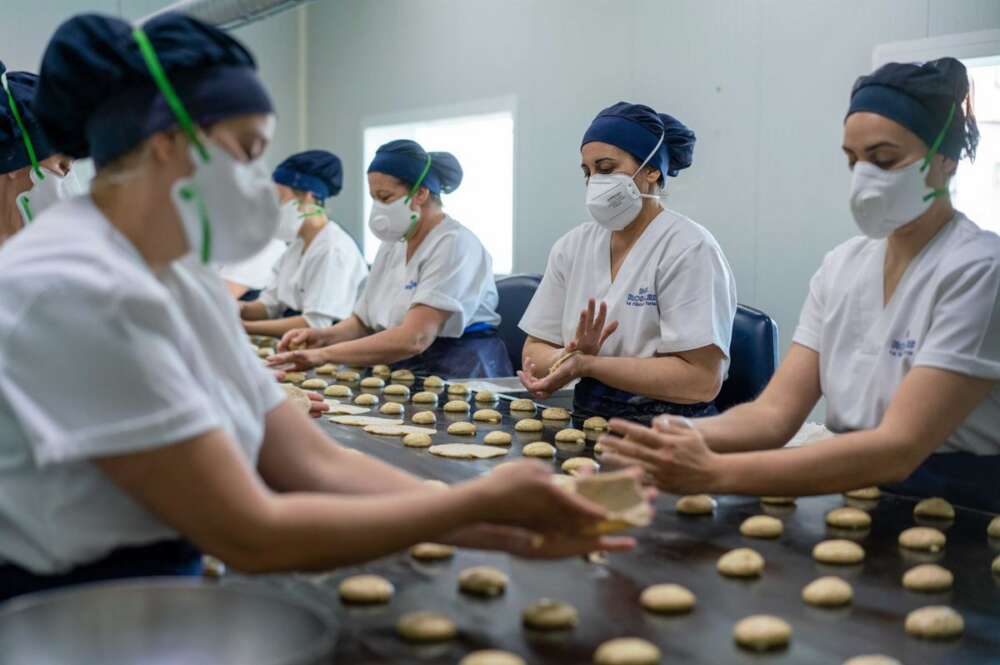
[28, 145]
[937, 193]
[188, 193]
[415, 217]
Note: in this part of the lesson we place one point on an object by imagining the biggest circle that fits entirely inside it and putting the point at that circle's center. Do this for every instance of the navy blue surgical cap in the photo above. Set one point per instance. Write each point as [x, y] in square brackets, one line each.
[97, 98]
[13, 153]
[636, 128]
[920, 97]
[405, 159]
[316, 171]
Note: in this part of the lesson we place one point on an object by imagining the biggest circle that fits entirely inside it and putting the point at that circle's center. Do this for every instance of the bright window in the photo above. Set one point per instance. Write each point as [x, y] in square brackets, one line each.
[484, 203]
[976, 186]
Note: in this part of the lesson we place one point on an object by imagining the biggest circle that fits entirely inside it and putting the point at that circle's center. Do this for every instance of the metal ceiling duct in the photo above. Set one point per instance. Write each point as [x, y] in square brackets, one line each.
[228, 14]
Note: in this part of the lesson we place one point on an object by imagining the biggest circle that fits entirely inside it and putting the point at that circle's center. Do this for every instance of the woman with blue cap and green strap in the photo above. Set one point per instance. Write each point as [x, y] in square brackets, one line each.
[164, 436]
[900, 331]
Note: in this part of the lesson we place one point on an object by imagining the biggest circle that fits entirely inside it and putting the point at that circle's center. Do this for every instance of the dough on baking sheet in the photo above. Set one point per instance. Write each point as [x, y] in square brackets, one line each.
[838, 552]
[482, 581]
[828, 591]
[539, 449]
[741, 562]
[936, 508]
[338, 391]
[761, 526]
[872, 659]
[575, 465]
[462, 429]
[347, 410]
[432, 551]
[522, 405]
[922, 538]
[433, 381]
[456, 406]
[327, 369]
[529, 425]
[382, 371]
[347, 375]
[366, 399]
[425, 398]
[363, 421]
[995, 566]
[864, 493]
[778, 500]
[561, 360]
[497, 438]
[696, 504]
[993, 529]
[555, 413]
[492, 657]
[425, 418]
[667, 599]
[396, 390]
[398, 430]
[294, 377]
[392, 409]
[313, 384]
[595, 423]
[762, 632]
[366, 589]
[417, 440]
[549, 614]
[570, 435]
[935, 622]
[298, 397]
[426, 627]
[627, 651]
[402, 375]
[487, 416]
[265, 353]
[928, 577]
[848, 518]
[467, 451]
[437, 484]
[372, 382]
[459, 389]
[486, 397]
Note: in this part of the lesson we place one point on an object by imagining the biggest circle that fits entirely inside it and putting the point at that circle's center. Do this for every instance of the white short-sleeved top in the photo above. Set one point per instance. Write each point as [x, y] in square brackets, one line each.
[450, 271]
[944, 313]
[321, 281]
[674, 292]
[255, 272]
[100, 356]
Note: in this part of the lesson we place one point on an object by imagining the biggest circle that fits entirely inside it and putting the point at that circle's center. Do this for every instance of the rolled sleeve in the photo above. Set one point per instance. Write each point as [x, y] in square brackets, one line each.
[449, 280]
[809, 332]
[544, 316]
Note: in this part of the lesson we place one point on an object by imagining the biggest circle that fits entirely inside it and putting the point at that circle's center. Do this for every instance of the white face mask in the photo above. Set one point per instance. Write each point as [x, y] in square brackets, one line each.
[613, 199]
[290, 221]
[47, 189]
[229, 209]
[393, 222]
[883, 201]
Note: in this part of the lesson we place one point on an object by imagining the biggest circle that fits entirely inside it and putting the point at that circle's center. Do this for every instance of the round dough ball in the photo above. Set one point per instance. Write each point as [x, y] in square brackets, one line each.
[482, 581]
[456, 406]
[539, 449]
[667, 598]
[522, 405]
[347, 375]
[265, 353]
[492, 657]
[366, 590]
[995, 567]
[425, 418]
[778, 500]
[372, 382]
[936, 508]
[838, 552]
[570, 436]
[993, 530]
[548, 614]
[402, 375]
[383, 371]
[432, 551]
[392, 409]
[828, 592]
[313, 384]
[696, 504]
[417, 440]
[338, 391]
[555, 413]
[426, 627]
[922, 538]
[595, 423]
[433, 381]
[425, 398]
[928, 577]
[935, 622]
[741, 562]
[762, 632]
[486, 397]
[529, 425]
[462, 429]
[627, 651]
[864, 493]
[459, 389]
[487, 416]
[366, 399]
[575, 465]
[294, 377]
[848, 518]
[327, 369]
[497, 438]
[396, 390]
[872, 659]
[761, 526]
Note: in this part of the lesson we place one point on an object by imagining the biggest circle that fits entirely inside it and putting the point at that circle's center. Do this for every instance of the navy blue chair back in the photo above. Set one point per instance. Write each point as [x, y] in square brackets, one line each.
[753, 355]
[515, 293]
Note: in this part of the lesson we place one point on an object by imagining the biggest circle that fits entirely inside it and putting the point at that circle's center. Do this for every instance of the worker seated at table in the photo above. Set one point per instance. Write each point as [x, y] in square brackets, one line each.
[316, 281]
[900, 331]
[659, 340]
[430, 302]
[139, 428]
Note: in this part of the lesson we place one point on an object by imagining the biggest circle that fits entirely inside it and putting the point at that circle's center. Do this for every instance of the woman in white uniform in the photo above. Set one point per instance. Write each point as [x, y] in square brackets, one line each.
[659, 340]
[430, 302]
[246, 279]
[32, 175]
[316, 281]
[900, 332]
[138, 426]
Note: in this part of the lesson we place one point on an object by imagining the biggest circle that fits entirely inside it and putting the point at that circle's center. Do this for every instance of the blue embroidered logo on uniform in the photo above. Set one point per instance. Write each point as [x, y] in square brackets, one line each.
[409, 286]
[645, 297]
[902, 348]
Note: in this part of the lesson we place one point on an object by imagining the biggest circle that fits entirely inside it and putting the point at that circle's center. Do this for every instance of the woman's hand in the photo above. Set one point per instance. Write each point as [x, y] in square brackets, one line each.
[302, 338]
[296, 360]
[591, 333]
[541, 387]
[529, 545]
[317, 405]
[673, 454]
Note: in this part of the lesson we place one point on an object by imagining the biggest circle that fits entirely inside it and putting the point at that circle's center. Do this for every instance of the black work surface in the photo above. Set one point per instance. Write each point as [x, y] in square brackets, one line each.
[674, 549]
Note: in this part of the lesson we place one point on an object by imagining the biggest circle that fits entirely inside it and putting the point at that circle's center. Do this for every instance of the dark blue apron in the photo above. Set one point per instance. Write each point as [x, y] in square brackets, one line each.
[968, 480]
[479, 353]
[166, 558]
[593, 398]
